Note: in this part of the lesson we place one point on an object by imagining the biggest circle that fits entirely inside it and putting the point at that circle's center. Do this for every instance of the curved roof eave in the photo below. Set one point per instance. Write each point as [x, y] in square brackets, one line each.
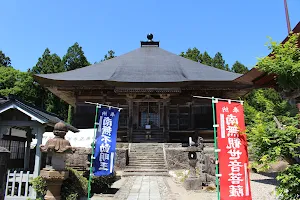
[145, 65]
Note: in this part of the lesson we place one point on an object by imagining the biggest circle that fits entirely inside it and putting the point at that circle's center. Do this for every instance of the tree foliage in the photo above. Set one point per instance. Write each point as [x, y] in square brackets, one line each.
[284, 62]
[192, 54]
[273, 133]
[4, 60]
[289, 179]
[74, 58]
[273, 123]
[206, 59]
[49, 63]
[238, 67]
[110, 54]
[217, 61]
[14, 82]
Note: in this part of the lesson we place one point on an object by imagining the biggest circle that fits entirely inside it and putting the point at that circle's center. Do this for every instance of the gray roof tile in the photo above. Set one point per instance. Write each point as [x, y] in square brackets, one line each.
[146, 64]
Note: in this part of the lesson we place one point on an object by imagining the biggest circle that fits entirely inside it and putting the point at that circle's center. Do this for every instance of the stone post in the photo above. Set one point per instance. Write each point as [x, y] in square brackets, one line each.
[55, 171]
[194, 182]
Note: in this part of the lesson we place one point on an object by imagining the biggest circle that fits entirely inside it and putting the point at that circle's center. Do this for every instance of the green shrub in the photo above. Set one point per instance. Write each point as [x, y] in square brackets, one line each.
[39, 185]
[289, 186]
[75, 186]
[100, 184]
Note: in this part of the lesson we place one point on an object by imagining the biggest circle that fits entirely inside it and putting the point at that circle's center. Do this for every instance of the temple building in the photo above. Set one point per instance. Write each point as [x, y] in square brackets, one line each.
[154, 87]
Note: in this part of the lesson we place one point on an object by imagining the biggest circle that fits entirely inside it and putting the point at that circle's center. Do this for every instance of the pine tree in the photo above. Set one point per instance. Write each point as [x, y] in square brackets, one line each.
[238, 67]
[74, 58]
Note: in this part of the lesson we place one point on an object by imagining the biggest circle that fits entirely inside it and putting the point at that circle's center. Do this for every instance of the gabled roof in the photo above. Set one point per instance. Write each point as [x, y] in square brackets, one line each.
[35, 113]
[148, 64]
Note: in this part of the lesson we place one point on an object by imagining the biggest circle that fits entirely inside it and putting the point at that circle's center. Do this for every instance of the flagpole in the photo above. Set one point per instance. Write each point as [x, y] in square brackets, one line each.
[287, 17]
[219, 99]
[213, 101]
[92, 156]
[99, 104]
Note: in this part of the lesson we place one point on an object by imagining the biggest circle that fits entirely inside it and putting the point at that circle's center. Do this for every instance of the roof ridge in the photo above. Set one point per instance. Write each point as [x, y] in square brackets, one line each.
[27, 104]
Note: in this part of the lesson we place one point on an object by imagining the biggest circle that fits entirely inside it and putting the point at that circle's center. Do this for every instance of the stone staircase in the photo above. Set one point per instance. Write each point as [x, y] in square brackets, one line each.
[146, 159]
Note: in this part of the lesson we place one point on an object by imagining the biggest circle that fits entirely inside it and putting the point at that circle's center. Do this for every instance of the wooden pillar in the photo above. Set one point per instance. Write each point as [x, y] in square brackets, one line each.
[166, 120]
[38, 154]
[192, 118]
[178, 118]
[27, 149]
[130, 119]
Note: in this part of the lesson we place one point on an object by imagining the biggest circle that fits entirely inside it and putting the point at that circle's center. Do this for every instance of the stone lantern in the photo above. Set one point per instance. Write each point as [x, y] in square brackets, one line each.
[55, 171]
[193, 182]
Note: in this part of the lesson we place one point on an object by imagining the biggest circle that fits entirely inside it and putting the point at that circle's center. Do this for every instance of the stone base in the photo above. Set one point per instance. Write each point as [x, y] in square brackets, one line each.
[193, 184]
[54, 181]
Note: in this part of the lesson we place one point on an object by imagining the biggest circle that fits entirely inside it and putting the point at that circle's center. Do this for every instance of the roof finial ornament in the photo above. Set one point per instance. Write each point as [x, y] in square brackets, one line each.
[150, 37]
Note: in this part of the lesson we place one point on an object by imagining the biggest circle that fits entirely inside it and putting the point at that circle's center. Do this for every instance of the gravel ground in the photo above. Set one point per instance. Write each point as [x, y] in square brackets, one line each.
[262, 188]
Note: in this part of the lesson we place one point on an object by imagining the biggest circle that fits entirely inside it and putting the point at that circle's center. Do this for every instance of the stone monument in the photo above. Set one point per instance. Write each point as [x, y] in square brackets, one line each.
[194, 182]
[55, 171]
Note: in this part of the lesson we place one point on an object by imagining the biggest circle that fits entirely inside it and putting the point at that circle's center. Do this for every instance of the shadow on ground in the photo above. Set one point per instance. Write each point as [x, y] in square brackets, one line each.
[270, 178]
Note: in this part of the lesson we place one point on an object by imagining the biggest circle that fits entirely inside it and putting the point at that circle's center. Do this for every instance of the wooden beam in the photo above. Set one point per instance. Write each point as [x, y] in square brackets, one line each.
[17, 123]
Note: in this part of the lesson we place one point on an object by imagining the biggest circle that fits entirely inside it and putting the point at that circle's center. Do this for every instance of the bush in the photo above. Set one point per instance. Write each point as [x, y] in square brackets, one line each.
[74, 187]
[289, 186]
[39, 185]
[100, 184]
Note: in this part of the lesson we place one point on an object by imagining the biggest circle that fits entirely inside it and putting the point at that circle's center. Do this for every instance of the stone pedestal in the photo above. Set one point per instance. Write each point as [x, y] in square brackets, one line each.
[54, 180]
[193, 182]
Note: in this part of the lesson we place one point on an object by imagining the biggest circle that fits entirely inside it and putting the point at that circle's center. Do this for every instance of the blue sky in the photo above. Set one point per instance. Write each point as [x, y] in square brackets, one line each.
[236, 28]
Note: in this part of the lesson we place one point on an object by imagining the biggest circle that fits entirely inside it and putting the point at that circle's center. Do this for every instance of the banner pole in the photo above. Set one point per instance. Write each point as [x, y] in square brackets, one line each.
[216, 146]
[92, 156]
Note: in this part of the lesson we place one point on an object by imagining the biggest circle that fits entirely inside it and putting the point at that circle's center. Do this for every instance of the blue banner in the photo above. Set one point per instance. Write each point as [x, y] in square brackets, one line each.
[106, 138]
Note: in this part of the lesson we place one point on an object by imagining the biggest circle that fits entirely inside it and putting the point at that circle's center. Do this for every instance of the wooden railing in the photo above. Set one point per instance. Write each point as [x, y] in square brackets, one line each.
[18, 186]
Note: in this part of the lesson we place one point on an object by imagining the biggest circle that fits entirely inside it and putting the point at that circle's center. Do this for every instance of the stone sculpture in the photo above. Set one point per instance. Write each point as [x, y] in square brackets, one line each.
[55, 171]
[193, 182]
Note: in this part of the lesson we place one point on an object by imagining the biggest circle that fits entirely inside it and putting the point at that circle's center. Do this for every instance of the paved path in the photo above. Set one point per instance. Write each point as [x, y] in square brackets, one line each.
[144, 188]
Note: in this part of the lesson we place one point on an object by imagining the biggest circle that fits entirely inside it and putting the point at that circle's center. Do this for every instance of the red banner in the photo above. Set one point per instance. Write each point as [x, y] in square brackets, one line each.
[233, 157]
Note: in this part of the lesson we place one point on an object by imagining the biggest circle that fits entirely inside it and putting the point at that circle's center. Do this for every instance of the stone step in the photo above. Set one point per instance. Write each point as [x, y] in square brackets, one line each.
[146, 160]
[147, 167]
[125, 174]
[144, 170]
[146, 163]
[147, 151]
[146, 157]
[153, 145]
[146, 154]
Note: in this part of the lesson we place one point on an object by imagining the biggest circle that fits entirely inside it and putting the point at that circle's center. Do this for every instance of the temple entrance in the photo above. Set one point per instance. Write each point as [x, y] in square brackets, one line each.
[147, 126]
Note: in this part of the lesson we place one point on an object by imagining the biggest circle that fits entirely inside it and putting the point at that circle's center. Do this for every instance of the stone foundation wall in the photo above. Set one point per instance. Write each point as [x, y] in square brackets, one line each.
[80, 159]
[176, 158]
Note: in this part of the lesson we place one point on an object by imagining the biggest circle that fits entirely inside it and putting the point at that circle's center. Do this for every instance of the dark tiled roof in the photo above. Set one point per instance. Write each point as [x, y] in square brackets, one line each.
[146, 64]
[49, 118]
